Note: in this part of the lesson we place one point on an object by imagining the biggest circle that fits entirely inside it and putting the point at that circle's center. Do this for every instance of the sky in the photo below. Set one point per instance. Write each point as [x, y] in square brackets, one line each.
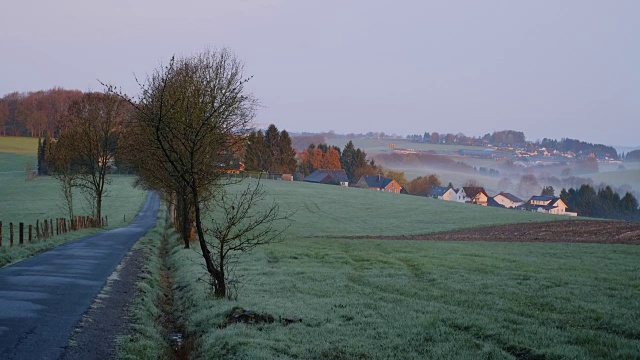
[552, 69]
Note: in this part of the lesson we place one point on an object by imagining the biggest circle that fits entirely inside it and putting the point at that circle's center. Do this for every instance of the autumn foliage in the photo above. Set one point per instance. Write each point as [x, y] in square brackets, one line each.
[36, 113]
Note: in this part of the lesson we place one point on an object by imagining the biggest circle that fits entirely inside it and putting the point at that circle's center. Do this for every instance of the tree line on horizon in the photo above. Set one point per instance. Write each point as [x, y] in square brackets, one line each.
[517, 139]
[37, 113]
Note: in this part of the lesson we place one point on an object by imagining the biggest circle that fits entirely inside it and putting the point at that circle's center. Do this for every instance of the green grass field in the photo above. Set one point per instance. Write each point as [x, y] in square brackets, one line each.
[333, 211]
[27, 201]
[19, 145]
[16, 153]
[39, 199]
[375, 299]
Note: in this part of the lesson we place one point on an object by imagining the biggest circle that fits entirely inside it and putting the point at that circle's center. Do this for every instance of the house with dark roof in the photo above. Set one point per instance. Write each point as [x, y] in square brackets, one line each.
[448, 193]
[438, 191]
[508, 200]
[379, 183]
[547, 204]
[324, 176]
[475, 195]
[493, 203]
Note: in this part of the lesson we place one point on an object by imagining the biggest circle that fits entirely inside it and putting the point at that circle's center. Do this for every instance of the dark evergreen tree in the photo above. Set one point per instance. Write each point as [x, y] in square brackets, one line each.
[272, 144]
[255, 152]
[586, 200]
[548, 191]
[286, 154]
[348, 160]
[629, 205]
[272, 152]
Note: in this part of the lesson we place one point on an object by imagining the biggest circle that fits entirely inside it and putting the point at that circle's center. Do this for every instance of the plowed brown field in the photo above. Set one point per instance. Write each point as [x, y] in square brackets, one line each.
[574, 231]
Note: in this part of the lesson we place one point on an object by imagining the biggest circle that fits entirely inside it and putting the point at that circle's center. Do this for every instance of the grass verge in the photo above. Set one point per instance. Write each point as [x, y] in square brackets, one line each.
[148, 340]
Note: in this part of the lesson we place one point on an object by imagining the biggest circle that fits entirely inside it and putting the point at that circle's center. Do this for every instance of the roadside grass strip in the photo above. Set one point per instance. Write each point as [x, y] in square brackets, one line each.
[148, 339]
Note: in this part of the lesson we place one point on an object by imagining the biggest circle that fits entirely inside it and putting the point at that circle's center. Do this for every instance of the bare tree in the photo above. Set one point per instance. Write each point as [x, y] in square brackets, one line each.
[4, 116]
[193, 111]
[63, 170]
[240, 223]
[90, 131]
[140, 151]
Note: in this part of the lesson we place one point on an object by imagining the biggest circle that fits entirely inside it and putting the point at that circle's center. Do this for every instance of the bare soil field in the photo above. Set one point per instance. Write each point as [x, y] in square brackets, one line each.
[572, 231]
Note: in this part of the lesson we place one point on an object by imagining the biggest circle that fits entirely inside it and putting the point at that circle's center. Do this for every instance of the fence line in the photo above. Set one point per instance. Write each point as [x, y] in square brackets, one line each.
[45, 229]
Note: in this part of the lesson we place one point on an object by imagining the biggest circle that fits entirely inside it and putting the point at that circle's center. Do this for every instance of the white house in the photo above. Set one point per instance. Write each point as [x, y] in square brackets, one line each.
[508, 200]
[548, 204]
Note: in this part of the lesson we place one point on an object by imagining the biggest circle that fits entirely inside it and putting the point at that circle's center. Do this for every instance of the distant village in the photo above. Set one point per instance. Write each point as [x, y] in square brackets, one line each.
[467, 194]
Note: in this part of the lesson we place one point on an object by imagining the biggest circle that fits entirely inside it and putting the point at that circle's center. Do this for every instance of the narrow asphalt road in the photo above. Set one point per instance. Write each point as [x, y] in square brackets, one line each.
[43, 298]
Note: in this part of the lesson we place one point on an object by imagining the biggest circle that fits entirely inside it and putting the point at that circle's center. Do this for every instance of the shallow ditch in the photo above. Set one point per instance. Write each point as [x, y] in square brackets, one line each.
[180, 343]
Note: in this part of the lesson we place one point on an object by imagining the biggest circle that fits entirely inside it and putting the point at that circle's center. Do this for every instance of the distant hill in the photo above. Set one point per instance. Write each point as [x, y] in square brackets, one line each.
[626, 149]
[633, 156]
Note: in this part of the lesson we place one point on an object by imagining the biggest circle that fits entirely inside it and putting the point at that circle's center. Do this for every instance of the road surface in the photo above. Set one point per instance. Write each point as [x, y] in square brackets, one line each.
[43, 298]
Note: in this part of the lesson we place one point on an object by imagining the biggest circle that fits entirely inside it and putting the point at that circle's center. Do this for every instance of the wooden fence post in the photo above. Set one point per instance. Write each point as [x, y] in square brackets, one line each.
[46, 229]
[57, 226]
[21, 231]
[51, 226]
[0, 233]
[106, 223]
[11, 234]
[38, 230]
[30, 233]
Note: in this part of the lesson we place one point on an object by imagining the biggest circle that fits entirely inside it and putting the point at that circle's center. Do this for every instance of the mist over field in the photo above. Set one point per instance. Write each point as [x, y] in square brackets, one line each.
[418, 159]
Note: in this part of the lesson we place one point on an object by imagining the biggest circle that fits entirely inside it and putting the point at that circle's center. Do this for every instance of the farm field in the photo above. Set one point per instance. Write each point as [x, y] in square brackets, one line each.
[27, 201]
[369, 299]
[38, 199]
[16, 153]
[19, 145]
[329, 211]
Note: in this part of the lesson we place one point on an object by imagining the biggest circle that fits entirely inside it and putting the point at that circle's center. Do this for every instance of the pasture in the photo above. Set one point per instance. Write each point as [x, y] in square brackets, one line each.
[40, 198]
[370, 299]
[26, 146]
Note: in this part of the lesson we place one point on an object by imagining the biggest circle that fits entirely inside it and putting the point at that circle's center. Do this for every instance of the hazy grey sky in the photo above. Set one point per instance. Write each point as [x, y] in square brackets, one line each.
[548, 68]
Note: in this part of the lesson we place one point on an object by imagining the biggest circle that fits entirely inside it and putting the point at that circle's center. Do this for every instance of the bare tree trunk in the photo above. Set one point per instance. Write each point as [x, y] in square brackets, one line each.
[185, 222]
[219, 286]
[98, 208]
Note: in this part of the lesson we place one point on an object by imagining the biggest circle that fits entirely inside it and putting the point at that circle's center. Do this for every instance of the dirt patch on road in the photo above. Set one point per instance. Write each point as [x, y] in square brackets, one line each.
[573, 231]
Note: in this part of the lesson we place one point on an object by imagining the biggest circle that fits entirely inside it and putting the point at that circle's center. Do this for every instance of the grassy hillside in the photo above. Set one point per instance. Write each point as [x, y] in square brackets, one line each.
[16, 153]
[424, 300]
[26, 201]
[325, 210]
[370, 299]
